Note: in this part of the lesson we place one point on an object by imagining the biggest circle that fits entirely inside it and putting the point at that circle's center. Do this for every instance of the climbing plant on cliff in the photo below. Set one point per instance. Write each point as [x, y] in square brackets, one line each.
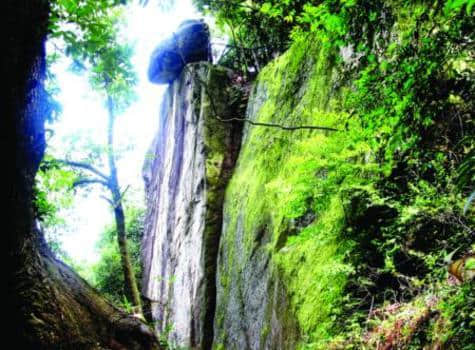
[413, 94]
[91, 34]
[258, 30]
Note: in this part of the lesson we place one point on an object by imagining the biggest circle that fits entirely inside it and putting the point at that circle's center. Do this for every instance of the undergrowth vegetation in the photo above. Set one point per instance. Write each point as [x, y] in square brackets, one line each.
[106, 274]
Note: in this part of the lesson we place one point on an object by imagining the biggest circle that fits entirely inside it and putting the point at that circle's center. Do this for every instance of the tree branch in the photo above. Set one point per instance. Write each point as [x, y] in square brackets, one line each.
[280, 126]
[238, 46]
[87, 181]
[84, 166]
[246, 120]
[108, 201]
[249, 121]
[114, 205]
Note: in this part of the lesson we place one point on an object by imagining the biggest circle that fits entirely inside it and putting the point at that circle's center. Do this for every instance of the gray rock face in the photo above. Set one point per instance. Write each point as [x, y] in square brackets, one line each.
[174, 177]
[185, 173]
[189, 44]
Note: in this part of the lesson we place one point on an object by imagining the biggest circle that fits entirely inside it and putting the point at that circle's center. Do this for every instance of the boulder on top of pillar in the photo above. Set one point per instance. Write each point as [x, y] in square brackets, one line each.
[190, 43]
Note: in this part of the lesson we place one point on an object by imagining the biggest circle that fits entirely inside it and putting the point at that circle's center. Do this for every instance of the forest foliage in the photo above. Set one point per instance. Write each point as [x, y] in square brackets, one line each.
[89, 34]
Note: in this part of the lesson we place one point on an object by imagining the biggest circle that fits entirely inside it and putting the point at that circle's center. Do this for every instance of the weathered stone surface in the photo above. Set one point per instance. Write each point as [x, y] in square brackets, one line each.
[186, 172]
[189, 44]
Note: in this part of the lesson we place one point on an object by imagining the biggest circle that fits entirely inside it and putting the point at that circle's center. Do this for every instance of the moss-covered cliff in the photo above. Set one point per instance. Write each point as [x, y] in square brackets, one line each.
[340, 239]
[282, 266]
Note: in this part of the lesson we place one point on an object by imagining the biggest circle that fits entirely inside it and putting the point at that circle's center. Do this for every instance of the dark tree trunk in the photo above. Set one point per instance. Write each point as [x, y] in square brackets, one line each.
[131, 287]
[48, 305]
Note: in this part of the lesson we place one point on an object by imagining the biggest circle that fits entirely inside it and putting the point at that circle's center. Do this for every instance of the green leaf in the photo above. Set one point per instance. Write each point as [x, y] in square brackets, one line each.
[470, 264]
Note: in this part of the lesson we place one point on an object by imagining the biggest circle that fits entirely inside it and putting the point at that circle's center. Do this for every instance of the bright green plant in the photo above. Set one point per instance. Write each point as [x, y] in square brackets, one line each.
[107, 275]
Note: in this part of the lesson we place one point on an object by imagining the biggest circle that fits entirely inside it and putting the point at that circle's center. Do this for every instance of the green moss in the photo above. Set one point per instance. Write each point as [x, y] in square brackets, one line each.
[283, 177]
[315, 273]
[456, 325]
[219, 347]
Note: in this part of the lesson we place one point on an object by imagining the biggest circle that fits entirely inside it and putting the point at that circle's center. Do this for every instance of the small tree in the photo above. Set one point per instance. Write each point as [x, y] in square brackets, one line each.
[107, 62]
